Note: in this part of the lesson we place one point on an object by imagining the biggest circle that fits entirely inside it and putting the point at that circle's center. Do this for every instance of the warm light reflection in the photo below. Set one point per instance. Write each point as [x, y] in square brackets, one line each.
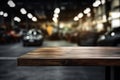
[61, 25]
[115, 23]
[115, 15]
[55, 19]
[99, 27]
[104, 18]
[103, 1]
[89, 14]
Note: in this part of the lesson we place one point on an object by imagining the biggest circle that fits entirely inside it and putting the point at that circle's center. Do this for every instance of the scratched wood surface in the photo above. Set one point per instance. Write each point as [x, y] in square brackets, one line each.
[71, 56]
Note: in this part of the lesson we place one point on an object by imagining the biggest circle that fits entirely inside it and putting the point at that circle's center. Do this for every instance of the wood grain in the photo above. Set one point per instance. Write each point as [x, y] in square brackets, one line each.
[71, 56]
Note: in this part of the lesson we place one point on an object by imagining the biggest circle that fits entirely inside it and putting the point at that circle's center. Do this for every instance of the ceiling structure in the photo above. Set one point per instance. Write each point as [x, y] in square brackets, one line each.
[44, 9]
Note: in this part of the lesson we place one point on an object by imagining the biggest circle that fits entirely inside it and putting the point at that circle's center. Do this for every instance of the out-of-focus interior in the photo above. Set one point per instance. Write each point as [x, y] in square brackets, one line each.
[83, 22]
[59, 23]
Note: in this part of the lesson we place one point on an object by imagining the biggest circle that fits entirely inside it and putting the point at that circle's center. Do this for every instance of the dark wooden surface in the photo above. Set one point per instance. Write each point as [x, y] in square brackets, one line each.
[71, 56]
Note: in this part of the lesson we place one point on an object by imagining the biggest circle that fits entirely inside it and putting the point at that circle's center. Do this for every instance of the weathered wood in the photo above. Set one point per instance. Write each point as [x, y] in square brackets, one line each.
[71, 56]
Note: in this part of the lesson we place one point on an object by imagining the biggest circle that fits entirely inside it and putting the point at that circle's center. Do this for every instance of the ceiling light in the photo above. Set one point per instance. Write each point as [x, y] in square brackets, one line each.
[76, 18]
[80, 15]
[11, 3]
[23, 11]
[17, 19]
[87, 10]
[29, 15]
[104, 18]
[96, 3]
[56, 15]
[115, 23]
[113, 34]
[57, 11]
[115, 15]
[55, 19]
[5, 14]
[61, 26]
[34, 19]
[1, 13]
[103, 1]
[88, 15]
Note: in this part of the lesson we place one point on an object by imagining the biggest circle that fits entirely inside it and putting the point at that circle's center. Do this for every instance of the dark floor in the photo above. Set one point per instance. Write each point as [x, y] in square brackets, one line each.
[10, 71]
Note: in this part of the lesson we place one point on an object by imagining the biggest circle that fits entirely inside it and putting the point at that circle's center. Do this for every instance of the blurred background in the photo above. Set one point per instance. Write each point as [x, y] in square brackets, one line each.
[83, 22]
[27, 23]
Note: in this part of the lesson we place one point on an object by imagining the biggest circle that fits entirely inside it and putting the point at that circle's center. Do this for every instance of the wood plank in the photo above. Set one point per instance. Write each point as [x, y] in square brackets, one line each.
[71, 56]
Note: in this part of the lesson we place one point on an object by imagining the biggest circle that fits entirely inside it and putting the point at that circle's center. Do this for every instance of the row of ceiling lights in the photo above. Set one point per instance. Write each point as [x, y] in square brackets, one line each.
[11, 4]
[22, 10]
[29, 15]
[80, 15]
[4, 14]
[98, 2]
[56, 12]
[56, 15]
[88, 10]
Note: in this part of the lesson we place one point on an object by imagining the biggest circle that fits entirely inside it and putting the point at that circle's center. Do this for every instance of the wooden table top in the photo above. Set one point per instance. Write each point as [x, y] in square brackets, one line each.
[71, 56]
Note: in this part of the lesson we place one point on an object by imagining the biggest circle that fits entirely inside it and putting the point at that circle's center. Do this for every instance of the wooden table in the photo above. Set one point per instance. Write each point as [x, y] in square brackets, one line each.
[74, 56]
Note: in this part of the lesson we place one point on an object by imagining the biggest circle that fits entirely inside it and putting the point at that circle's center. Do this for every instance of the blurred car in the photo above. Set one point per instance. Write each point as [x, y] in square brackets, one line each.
[54, 36]
[73, 37]
[22, 33]
[8, 36]
[87, 38]
[111, 38]
[13, 36]
[2, 35]
[33, 37]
